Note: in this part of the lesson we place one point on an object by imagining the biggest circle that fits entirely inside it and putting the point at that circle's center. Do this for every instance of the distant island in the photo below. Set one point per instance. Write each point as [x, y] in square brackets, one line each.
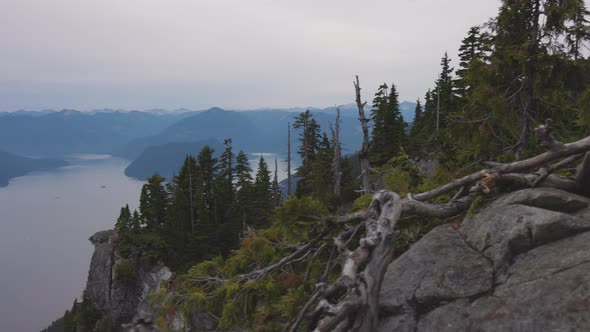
[12, 165]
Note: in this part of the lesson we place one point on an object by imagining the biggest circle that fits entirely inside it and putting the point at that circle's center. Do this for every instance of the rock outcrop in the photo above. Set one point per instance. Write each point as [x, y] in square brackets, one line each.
[520, 264]
[119, 299]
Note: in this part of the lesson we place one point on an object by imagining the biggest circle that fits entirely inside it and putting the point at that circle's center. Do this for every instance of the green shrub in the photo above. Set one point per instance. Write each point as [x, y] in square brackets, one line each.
[125, 271]
[362, 203]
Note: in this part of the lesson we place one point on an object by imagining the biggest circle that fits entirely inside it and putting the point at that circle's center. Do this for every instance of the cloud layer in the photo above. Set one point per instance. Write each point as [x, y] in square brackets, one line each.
[235, 54]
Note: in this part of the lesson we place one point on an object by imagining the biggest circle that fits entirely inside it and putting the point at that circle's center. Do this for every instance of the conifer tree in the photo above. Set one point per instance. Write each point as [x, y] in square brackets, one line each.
[206, 172]
[388, 126]
[322, 171]
[182, 215]
[443, 93]
[474, 47]
[153, 203]
[226, 166]
[577, 33]
[224, 189]
[262, 201]
[243, 170]
[414, 145]
[136, 221]
[276, 191]
[123, 224]
[242, 212]
[309, 138]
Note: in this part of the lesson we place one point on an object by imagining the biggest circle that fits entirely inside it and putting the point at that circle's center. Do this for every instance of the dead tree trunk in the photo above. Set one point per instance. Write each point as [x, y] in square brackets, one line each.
[337, 173]
[190, 197]
[288, 159]
[359, 309]
[275, 184]
[364, 152]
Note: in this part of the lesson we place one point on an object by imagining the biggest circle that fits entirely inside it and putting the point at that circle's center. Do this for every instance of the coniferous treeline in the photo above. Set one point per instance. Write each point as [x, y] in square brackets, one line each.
[201, 212]
[205, 209]
[522, 67]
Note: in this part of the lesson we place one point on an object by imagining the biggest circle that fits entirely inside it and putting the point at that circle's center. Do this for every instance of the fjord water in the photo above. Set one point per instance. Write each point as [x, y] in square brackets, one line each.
[46, 219]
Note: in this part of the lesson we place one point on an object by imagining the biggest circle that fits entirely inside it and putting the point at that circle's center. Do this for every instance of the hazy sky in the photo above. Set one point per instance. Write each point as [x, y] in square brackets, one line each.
[140, 54]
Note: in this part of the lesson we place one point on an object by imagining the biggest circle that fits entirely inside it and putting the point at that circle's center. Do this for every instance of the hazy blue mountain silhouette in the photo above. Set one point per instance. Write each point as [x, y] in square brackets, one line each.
[67, 132]
[253, 131]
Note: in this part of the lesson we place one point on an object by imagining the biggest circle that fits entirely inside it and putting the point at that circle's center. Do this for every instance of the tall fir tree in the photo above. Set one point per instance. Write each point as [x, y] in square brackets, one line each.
[224, 183]
[153, 203]
[474, 48]
[205, 203]
[262, 200]
[388, 126]
[182, 230]
[322, 171]
[243, 209]
[309, 138]
[124, 222]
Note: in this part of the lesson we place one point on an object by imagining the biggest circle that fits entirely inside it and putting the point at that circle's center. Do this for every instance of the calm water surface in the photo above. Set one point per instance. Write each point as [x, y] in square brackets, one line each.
[45, 221]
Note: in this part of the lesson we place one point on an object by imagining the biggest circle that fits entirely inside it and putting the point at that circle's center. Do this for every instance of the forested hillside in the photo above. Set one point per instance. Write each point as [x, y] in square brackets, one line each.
[12, 165]
[253, 260]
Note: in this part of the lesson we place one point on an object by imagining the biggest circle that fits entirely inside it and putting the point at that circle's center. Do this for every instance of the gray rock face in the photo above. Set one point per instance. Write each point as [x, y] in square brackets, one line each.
[521, 264]
[120, 299]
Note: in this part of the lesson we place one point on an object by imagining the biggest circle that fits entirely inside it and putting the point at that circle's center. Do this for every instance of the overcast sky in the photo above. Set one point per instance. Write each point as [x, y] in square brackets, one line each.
[240, 54]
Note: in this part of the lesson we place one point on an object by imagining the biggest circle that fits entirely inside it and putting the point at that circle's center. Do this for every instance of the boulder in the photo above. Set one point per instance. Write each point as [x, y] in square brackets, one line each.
[520, 264]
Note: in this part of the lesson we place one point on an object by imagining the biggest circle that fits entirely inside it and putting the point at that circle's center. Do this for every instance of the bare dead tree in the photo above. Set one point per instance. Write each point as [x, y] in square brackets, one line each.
[288, 159]
[275, 184]
[364, 152]
[190, 197]
[336, 172]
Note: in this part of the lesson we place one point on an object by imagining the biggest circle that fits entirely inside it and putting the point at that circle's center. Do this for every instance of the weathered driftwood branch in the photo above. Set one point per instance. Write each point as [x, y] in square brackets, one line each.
[358, 309]
[558, 152]
[353, 217]
[453, 208]
[545, 172]
[536, 180]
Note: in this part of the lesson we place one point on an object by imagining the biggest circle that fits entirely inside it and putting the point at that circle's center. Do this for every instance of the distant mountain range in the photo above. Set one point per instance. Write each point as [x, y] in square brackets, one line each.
[158, 140]
[12, 165]
[58, 134]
